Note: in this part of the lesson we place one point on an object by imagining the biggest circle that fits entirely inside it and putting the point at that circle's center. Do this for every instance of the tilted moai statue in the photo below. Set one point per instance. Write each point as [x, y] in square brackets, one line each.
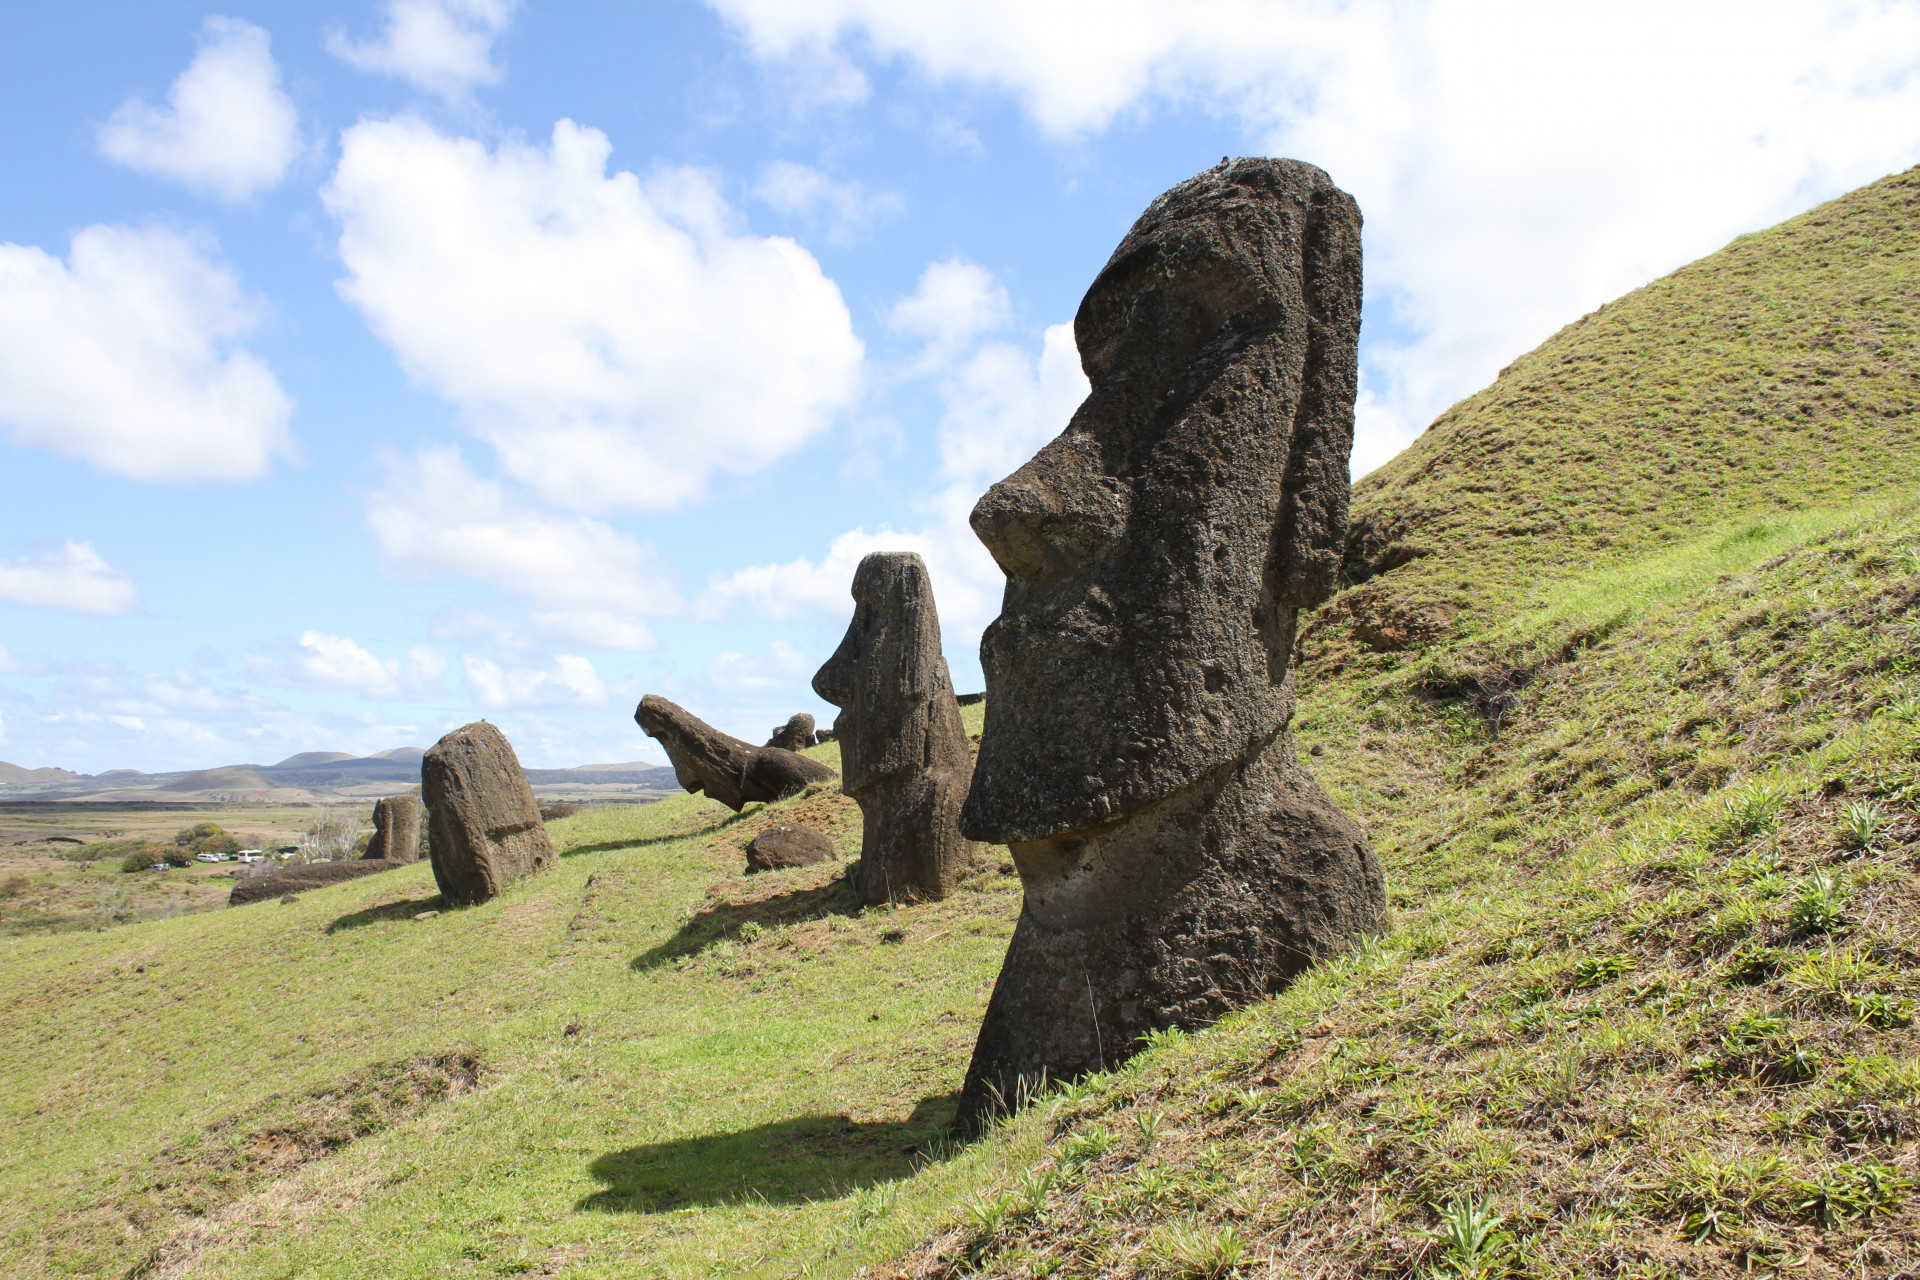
[795, 735]
[483, 824]
[396, 829]
[903, 750]
[1178, 860]
[730, 770]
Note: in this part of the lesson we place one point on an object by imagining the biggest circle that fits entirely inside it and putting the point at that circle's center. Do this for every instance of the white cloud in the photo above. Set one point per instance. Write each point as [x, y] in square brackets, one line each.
[617, 341]
[75, 578]
[1518, 164]
[128, 355]
[572, 680]
[228, 127]
[12, 666]
[954, 303]
[321, 661]
[1002, 403]
[846, 209]
[592, 583]
[443, 46]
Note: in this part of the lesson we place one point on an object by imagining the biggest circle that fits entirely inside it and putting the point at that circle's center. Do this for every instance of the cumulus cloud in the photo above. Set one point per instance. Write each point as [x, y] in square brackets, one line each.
[847, 210]
[321, 661]
[571, 681]
[128, 355]
[591, 584]
[228, 127]
[73, 577]
[590, 327]
[443, 46]
[1002, 402]
[1508, 184]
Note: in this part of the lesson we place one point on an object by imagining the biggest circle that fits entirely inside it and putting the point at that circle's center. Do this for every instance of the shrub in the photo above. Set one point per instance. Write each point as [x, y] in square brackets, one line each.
[140, 860]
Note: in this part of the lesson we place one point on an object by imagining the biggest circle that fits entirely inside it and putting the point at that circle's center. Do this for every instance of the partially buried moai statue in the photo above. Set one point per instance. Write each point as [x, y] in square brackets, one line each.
[903, 750]
[396, 829]
[1178, 860]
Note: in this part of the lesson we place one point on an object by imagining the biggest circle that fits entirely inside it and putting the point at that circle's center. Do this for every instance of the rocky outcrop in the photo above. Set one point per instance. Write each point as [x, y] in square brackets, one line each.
[795, 735]
[483, 824]
[396, 829]
[1177, 862]
[788, 844]
[281, 881]
[903, 752]
[729, 770]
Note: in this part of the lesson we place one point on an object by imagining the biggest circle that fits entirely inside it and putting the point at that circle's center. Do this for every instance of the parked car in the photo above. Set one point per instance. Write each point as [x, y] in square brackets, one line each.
[211, 857]
[251, 855]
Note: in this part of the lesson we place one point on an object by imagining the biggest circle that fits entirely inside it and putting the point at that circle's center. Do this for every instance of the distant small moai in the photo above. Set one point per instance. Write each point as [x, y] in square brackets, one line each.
[795, 735]
[483, 824]
[728, 769]
[396, 829]
[903, 750]
[1178, 861]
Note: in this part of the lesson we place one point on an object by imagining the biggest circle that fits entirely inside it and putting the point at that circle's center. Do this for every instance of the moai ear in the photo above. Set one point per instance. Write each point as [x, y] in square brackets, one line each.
[1312, 529]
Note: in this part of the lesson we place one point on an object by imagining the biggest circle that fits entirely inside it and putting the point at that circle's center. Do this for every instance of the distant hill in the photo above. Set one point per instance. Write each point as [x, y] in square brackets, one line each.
[308, 759]
[238, 778]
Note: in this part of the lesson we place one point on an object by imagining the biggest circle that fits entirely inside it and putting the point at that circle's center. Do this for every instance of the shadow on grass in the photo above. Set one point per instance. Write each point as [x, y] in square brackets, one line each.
[785, 1162]
[607, 845]
[715, 923]
[405, 909]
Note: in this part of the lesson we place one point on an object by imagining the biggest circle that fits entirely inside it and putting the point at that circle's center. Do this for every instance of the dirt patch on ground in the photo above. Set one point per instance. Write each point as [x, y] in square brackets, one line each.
[167, 1213]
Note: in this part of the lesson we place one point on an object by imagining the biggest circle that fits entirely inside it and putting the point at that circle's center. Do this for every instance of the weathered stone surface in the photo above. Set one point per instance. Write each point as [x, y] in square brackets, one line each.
[483, 824]
[1177, 861]
[396, 829]
[822, 735]
[795, 734]
[903, 752]
[557, 810]
[788, 844]
[267, 885]
[731, 771]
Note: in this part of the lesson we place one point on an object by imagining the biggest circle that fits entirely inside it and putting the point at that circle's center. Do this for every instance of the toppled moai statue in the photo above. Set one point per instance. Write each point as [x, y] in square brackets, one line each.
[788, 844]
[1178, 861]
[731, 771]
[267, 883]
[396, 829]
[903, 751]
[795, 734]
[483, 824]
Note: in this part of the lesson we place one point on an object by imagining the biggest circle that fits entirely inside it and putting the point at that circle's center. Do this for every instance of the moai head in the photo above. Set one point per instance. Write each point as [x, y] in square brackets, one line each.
[887, 674]
[1157, 551]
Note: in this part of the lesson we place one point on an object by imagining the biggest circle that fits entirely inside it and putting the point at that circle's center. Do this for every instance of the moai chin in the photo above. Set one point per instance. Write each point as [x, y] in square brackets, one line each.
[903, 750]
[1178, 860]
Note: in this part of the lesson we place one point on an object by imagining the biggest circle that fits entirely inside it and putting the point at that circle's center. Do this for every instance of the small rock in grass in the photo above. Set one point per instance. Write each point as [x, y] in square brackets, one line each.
[571, 1029]
[292, 897]
[894, 935]
[425, 915]
[788, 844]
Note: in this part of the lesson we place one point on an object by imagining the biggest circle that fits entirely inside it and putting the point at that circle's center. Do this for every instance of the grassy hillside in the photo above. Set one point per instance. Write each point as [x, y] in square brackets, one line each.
[1627, 691]
[641, 1059]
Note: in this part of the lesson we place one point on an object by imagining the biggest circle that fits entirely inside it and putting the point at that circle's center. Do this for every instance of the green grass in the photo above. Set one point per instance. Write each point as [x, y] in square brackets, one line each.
[265, 1091]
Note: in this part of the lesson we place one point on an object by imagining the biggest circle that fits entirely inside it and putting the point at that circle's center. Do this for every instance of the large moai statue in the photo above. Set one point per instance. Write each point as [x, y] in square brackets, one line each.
[396, 829]
[1178, 860]
[730, 770]
[795, 735]
[483, 824]
[903, 750]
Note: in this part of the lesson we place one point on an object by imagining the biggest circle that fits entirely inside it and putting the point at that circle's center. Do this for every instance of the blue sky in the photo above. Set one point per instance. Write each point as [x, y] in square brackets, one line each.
[369, 368]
